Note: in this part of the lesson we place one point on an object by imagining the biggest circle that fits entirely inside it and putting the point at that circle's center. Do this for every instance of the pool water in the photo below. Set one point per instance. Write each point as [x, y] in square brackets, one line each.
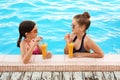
[54, 19]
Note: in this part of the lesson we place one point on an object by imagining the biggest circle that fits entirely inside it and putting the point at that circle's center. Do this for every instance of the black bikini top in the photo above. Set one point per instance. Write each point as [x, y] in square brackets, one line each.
[81, 49]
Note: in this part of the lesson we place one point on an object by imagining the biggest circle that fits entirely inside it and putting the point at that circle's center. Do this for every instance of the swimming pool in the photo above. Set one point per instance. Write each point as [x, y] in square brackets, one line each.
[54, 19]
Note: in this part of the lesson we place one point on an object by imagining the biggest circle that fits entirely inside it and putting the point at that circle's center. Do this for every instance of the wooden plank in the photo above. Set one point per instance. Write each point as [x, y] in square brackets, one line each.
[98, 76]
[17, 76]
[67, 76]
[47, 76]
[36, 76]
[109, 75]
[57, 76]
[6, 76]
[117, 75]
[27, 76]
[77, 76]
[60, 76]
[88, 76]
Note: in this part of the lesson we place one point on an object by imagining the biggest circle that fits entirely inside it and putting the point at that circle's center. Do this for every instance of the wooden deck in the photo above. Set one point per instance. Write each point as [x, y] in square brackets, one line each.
[60, 63]
[60, 76]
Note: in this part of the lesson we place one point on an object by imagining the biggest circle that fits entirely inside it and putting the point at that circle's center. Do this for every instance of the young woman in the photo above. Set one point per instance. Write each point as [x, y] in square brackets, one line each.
[82, 42]
[30, 44]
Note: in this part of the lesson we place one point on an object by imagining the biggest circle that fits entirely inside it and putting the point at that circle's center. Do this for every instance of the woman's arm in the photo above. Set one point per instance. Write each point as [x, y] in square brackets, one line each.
[91, 55]
[26, 54]
[27, 51]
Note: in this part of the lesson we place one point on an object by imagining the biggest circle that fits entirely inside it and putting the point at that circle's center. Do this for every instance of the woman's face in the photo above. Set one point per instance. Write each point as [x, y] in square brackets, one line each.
[75, 27]
[34, 32]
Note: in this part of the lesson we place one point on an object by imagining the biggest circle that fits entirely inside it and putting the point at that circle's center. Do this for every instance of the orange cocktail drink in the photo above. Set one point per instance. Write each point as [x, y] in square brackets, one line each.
[70, 50]
[44, 50]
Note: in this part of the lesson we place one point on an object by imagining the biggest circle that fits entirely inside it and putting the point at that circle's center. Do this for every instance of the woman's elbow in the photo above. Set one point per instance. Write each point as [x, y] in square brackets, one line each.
[25, 61]
[101, 55]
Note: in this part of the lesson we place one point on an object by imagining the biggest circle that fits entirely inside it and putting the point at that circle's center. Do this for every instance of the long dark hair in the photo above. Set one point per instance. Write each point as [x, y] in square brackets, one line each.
[24, 26]
[83, 19]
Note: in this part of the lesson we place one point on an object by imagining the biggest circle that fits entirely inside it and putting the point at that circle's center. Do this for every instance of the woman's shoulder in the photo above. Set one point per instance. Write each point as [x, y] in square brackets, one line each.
[23, 43]
[88, 39]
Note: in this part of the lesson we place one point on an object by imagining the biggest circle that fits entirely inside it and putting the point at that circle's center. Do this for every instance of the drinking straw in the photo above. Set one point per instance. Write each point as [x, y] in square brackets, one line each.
[42, 41]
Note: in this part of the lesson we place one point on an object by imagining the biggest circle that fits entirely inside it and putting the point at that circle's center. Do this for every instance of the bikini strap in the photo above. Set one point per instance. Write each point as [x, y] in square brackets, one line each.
[82, 41]
[74, 39]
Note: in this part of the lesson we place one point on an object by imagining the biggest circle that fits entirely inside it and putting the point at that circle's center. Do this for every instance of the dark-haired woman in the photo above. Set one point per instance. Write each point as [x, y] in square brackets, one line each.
[83, 44]
[29, 45]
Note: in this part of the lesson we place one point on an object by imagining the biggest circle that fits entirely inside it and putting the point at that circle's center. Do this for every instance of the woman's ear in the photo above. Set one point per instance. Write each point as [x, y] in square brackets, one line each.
[82, 27]
[26, 34]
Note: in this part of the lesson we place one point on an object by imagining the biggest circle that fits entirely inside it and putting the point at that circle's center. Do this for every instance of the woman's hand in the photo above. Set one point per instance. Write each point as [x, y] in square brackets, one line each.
[37, 39]
[67, 38]
[49, 55]
[77, 55]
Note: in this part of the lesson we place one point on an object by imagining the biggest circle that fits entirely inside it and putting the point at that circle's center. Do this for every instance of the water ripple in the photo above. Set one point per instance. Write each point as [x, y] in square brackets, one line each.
[54, 21]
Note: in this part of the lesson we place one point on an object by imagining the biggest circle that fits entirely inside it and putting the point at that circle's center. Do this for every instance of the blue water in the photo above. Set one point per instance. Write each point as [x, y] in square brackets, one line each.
[54, 19]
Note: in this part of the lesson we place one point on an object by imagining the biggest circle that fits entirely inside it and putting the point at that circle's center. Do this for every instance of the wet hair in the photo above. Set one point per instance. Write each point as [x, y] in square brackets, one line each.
[24, 26]
[83, 19]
